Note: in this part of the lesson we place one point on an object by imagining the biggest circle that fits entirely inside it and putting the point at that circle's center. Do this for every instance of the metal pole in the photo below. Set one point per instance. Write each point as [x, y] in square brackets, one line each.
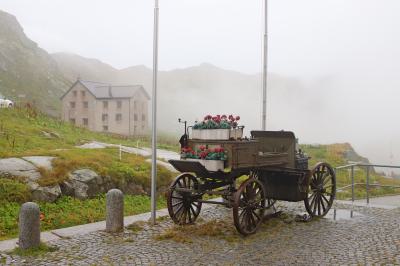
[265, 61]
[367, 185]
[154, 118]
[352, 183]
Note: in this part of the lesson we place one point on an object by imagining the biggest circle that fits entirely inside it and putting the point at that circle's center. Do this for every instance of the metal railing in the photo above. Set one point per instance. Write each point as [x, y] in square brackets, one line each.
[356, 166]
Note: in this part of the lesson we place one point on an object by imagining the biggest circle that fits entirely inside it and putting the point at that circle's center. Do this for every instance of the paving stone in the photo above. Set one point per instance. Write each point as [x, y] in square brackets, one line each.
[370, 239]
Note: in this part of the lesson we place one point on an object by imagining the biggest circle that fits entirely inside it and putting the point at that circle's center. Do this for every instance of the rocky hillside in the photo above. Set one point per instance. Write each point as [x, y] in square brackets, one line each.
[27, 72]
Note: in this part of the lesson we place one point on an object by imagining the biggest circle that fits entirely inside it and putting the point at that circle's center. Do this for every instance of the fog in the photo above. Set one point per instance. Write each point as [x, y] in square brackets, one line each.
[344, 53]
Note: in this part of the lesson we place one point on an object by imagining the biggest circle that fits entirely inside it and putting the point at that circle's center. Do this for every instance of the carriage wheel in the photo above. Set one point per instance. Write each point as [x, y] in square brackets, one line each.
[268, 201]
[249, 206]
[182, 206]
[321, 190]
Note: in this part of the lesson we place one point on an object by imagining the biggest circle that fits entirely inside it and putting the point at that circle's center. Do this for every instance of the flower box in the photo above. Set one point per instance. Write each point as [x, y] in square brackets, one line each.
[214, 165]
[210, 165]
[211, 134]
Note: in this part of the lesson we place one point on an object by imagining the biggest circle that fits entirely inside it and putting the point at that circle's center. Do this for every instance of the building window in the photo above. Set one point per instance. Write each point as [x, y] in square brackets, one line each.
[105, 104]
[72, 104]
[119, 104]
[118, 117]
[75, 93]
[105, 128]
[85, 121]
[83, 93]
[85, 104]
[135, 117]
[143, 117]
[104, 117]
[72, 121]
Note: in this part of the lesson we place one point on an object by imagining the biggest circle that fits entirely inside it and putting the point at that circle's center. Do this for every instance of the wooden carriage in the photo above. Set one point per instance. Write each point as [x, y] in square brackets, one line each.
[273, 168]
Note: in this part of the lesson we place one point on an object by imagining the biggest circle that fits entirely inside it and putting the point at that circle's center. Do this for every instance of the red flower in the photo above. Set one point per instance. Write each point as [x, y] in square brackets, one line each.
[223, 116]
[42, 216]
[217, 149]
[237, 118]
[221, 149]
[202, 148]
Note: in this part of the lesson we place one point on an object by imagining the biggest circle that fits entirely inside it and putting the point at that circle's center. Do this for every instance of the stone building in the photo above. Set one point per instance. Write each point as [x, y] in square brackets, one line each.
[107, 108]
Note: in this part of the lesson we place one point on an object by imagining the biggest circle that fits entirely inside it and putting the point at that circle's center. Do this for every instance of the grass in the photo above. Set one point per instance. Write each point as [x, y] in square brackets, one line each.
[34, 252]
[68, 211]
[105, 162]
[337, 155]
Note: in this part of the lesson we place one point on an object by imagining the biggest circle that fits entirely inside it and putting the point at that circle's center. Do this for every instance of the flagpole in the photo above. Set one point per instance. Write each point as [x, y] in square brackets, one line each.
[154, 118]
[265, 61]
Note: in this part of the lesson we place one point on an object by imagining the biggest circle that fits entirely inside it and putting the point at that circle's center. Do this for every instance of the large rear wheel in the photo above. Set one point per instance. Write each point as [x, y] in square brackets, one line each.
[321, 190]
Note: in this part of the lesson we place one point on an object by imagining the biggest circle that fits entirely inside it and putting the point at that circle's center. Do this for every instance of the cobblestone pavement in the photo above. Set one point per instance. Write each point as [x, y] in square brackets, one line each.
[373, 237]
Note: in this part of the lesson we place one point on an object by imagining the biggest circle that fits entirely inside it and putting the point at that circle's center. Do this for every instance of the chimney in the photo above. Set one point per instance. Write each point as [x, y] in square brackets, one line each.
[109, 91]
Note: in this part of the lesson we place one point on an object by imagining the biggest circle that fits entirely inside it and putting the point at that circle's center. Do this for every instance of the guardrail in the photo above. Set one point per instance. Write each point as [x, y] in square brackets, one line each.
[367, 184]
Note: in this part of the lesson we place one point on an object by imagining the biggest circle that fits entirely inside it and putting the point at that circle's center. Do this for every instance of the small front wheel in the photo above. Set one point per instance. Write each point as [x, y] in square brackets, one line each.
[182, 207]
[249, 206]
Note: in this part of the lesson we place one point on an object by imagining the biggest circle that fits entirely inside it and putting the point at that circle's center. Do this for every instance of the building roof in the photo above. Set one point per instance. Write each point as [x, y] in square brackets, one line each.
[107, 91]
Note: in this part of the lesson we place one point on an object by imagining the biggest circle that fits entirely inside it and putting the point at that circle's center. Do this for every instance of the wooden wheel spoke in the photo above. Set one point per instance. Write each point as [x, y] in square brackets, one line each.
[319, 204]
[323, 196]
[322, 204]
[255, 214]
[177, 203]
[189, 215]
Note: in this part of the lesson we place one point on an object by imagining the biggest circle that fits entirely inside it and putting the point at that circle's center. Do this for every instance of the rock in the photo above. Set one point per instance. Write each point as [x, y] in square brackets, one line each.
[134, 189]
[51, 135]
[84, 175]
[46, 194]
[29, 226]
[40, 161]
[83, 184]
[18, 167]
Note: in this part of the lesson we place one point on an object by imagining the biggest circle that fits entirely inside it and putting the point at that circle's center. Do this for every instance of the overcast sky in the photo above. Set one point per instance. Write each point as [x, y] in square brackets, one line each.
[307, 37]
[352, 44]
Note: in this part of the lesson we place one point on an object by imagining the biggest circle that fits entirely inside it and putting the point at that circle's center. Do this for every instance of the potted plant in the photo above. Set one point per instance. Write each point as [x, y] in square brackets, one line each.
[217, 127]
[212, 159]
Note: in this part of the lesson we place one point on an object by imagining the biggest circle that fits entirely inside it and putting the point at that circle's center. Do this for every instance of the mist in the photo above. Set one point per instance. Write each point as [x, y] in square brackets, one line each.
[334, 65]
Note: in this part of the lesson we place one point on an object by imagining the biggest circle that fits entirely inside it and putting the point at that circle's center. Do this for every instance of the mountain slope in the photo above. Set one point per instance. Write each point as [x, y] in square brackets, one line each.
[27, 70]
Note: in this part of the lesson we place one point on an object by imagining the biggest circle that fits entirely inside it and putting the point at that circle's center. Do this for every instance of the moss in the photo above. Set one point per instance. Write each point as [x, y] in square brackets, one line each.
[34, 252]
[13, 191]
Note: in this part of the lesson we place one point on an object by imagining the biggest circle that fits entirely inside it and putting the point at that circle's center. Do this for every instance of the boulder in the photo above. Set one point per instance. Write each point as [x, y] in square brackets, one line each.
[83, 184]
[46, 194]
[40, 161]
[18, 167]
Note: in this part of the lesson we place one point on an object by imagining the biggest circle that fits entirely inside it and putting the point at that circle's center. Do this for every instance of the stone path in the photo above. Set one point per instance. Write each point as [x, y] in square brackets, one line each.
[371, 237]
